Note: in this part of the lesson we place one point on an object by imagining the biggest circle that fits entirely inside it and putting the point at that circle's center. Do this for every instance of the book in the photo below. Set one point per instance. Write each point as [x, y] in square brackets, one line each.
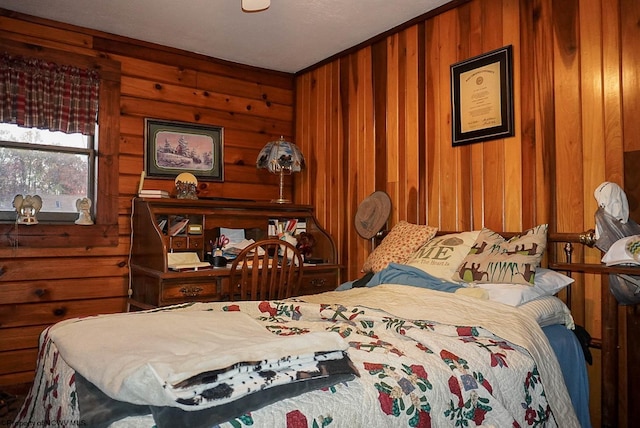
[153, 193]
[178, 227]
[162, 224]
[301, 227]
[273, 227]
[290, 226]
[185, 261]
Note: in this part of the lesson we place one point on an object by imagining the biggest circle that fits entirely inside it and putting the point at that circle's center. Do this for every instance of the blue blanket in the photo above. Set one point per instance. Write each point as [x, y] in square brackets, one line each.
[396, 273]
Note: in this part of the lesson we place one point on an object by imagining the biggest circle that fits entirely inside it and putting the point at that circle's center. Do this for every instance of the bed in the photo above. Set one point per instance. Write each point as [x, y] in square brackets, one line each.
[378, 354]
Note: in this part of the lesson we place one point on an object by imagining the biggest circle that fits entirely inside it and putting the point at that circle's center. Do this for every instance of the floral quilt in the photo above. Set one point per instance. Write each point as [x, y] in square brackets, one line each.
[424, 358]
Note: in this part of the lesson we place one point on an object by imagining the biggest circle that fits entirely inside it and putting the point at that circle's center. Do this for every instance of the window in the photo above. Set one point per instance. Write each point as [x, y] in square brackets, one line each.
[56, 166]
[105, 163]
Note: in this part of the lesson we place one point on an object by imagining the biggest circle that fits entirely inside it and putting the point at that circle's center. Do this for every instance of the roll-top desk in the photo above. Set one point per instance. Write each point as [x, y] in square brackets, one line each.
[153, 221]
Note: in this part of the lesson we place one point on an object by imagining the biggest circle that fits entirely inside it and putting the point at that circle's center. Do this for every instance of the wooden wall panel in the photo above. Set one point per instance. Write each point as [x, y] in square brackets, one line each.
[470, 22]
[593, 133]
[526, 126]
[513, 147]
[493, 178]
[394, 132]
[627, 21]
[447, 178]
[432, 121]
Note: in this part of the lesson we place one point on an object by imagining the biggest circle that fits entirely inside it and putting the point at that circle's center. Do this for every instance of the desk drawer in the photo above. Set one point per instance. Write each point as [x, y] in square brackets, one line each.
[195, 242]
[318, 282]
[189, 291]
[180, 243]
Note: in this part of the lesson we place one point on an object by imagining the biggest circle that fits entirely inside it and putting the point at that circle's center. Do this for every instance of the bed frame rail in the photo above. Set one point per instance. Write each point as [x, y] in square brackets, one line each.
[619, 356]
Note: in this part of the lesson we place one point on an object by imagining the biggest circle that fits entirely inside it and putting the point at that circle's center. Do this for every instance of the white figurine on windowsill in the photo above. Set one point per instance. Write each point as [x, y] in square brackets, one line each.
[84, 211]
[27, 208]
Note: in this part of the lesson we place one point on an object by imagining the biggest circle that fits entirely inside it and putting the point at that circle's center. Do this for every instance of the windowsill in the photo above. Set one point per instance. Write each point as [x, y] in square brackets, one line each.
[58, 235]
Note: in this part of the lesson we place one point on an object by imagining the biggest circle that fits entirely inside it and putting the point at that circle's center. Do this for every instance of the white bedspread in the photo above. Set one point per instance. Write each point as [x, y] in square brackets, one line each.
[138, 357]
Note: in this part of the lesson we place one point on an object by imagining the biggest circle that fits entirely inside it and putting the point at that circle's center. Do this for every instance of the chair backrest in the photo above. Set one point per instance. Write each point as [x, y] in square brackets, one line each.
[277, 276]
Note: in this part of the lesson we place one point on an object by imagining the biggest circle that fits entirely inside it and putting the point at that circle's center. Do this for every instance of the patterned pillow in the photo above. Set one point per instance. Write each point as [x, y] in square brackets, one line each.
[494, 259]
[441, 256]
[403, 239]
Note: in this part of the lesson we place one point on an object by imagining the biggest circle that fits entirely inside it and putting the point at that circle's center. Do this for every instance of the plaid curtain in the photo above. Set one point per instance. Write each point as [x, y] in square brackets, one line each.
[36, 93]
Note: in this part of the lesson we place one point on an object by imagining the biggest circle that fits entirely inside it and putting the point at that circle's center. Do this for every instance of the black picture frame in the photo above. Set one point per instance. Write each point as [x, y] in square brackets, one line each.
[482, 97]
[172, 148]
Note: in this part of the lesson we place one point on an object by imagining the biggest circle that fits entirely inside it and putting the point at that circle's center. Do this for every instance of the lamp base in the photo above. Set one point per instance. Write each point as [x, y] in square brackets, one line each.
[280, 201]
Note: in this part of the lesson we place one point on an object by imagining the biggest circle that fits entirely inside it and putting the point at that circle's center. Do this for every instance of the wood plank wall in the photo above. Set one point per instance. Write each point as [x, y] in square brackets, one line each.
[379, 119]
[39, 286]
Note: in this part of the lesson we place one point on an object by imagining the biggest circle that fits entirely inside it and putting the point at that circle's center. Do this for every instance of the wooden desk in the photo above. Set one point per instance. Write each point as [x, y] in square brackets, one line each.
[153, 284]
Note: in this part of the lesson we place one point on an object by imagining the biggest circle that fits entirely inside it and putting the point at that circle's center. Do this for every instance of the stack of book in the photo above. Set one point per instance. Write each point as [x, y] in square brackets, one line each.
[153, 193]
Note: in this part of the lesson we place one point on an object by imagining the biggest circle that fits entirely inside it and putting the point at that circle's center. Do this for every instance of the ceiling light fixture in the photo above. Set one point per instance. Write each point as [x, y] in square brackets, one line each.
[255, 5]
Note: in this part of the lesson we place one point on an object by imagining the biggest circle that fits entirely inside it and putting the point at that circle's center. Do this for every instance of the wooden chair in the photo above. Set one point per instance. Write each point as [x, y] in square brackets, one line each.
[278, 276]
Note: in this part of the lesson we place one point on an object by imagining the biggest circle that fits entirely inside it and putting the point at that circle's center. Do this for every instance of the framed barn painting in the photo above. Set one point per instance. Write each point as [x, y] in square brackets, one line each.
[172, 148]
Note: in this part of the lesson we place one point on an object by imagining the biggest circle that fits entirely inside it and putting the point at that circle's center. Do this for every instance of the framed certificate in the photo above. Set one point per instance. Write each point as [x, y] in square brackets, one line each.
[482, 97]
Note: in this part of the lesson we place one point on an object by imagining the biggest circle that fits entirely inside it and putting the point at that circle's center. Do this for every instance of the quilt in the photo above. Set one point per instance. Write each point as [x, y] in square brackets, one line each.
[424, 358]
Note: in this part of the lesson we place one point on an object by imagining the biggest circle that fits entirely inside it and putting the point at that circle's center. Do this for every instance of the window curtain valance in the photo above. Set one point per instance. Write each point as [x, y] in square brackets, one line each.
[41, 94]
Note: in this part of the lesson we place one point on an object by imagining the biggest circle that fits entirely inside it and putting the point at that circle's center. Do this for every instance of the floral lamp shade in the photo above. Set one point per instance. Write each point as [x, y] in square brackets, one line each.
[280, 154]
[281, 157]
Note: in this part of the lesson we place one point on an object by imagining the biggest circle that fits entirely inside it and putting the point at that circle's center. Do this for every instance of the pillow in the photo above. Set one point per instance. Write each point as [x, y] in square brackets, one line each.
[496, 260]
[547, 283]
[623, 251]
[549, 310]
[441, 256]
[403, 239]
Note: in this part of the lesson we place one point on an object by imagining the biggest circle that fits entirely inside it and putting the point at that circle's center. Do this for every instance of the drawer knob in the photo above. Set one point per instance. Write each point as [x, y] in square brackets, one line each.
[191, 291]
[59, 312]
[318, 282]
[40, 292]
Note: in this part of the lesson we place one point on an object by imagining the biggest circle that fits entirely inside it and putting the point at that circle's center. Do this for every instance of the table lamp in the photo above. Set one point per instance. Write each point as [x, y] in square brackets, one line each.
[281, 157]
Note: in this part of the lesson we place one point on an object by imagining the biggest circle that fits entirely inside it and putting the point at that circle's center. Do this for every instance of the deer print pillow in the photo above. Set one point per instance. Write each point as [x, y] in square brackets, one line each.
[494, 259]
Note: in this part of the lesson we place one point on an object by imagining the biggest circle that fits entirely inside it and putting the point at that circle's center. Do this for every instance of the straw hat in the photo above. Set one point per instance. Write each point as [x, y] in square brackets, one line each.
[372, 214]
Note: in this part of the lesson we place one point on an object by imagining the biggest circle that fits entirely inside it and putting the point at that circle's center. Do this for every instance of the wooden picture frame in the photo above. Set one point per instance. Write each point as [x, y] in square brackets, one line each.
[482, 97]
[172, 148]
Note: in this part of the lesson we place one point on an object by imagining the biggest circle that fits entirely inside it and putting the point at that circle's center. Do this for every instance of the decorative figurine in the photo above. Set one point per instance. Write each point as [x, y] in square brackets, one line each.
[305, 244]
[186, 186]
[84, 211]
[27, 208]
